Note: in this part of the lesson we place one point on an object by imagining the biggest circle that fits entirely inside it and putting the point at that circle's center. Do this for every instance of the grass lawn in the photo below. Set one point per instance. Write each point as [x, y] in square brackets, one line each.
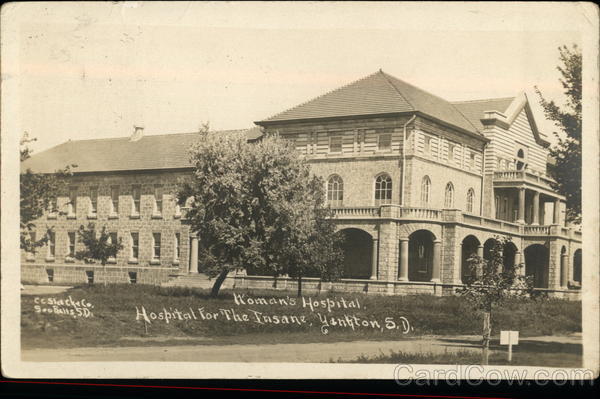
[114, 318]
[558, 355]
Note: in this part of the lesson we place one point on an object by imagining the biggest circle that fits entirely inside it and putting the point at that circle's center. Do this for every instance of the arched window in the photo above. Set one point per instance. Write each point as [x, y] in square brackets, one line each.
[470, 200]
[449, 196]
[383, 189]
[425, 188]
[335, 191]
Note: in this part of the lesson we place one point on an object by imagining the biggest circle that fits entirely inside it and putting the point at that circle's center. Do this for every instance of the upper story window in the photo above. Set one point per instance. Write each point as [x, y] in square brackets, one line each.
[71, 236]
[113, 238]
[155, 246]
[335, 191]
[93, 199]
[449, 196]
[451, 152]
[521, 159]
[134, 246]
[471, 199]
[472, 160]
[384, 142]
[114, 200]
[425, 191]
[335, 144]
[51, 245]
[72, 211]
[31, 254]
[383, 189]
[136, 193]
[158, 199]
[427, 145]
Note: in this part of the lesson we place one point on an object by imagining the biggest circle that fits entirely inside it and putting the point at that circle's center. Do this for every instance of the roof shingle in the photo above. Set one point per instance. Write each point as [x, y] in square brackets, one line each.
[474, 110]
[376, 94]
[166, 151]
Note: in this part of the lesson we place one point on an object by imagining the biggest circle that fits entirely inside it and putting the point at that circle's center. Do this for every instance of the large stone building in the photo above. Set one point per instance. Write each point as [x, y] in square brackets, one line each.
[418, 184]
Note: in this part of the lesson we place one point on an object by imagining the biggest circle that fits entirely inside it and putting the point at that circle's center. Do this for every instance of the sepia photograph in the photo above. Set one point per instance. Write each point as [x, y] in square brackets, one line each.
[315, 190]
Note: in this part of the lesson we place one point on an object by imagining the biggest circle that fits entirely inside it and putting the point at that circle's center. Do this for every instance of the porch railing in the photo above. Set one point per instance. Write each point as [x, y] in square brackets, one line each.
[523, 175]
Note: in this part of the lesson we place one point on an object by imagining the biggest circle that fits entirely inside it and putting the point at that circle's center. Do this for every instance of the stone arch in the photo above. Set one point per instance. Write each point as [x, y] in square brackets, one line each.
[488, 245]
[420, 255]
[509, 255]
[470, 246]
[537, 259]
[406, 229]
[577, 265]
[357, 247]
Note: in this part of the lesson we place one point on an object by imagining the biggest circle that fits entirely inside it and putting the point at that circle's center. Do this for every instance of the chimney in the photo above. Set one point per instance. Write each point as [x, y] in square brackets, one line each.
[138, 133]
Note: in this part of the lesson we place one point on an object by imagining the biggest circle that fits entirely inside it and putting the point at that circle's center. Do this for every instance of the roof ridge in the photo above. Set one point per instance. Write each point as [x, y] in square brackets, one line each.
[418, 88]
[149, 135]
[385, 76]
[433, 95]
[482, 100]
[322, 95]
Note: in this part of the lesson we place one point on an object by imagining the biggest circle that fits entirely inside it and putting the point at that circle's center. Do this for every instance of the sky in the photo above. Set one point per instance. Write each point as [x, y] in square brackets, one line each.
[93, 70]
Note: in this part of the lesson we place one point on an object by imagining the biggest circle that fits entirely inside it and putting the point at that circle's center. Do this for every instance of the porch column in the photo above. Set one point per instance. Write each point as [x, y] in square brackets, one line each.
[521, 215]
[193, 269]
[403, 259]
[536, 208]
[517, 263]
[480, 251]
[556, 218]
[435, 274]
[374, 259]
[564, 270]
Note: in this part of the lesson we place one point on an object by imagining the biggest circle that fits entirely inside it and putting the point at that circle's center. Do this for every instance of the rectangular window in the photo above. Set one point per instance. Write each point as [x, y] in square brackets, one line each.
[136, 194]
[93, 199]
[156, 245]
[31, 254]
[90, 276]
[451, 152]
[135, 246]
[112, 239]
[71, 244]
[114, 199]
[472, 160]
[72, 201]
[158, 199]
[177, 246]
[427, 145]
[51, 244]
[385, 142]
[133, 277]
[50, 274]
[335, 144]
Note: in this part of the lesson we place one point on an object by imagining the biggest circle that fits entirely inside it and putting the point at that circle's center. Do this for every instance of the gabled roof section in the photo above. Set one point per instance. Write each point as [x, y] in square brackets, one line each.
[474, 110]
[376, 94]
[166, 151]
[502, 112]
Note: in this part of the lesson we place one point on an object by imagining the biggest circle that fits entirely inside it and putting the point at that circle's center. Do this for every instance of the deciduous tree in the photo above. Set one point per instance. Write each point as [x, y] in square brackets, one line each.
[567, 151]
[97, 248]
[38, 193]
[256, 206]
[490, 283]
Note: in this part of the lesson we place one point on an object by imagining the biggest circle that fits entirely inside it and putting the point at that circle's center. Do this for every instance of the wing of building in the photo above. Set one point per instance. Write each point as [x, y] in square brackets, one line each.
[418, 184]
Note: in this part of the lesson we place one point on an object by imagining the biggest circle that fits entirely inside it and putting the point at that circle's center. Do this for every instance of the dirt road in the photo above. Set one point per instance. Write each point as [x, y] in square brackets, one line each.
[313, 352]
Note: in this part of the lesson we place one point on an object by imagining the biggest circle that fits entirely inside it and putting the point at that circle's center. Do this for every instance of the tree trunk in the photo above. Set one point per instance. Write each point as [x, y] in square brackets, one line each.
[485, 345]
[299, 286]
[218, 282]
